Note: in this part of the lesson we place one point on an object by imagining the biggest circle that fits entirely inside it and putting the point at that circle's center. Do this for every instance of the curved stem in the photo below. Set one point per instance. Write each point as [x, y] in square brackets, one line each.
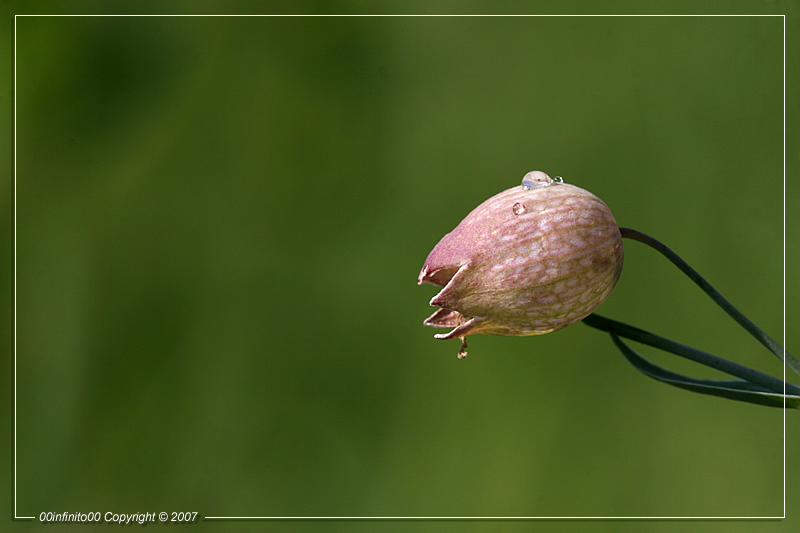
[723, 365]
[726, 306]
[732, 389]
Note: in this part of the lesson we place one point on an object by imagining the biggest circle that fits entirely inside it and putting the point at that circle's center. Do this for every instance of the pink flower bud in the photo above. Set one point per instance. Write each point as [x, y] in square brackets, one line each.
[528, 261]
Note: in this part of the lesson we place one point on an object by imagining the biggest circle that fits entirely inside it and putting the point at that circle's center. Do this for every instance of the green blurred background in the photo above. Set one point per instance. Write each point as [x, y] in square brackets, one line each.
[220, 222]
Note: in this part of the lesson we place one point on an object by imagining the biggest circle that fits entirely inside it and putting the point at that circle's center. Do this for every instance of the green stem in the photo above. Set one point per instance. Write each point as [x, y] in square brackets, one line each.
[629, 332]
[726, 306]
[731, 389]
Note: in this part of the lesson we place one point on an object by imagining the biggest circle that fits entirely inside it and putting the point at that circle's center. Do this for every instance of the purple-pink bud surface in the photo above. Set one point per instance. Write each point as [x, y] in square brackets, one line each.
[530, 260]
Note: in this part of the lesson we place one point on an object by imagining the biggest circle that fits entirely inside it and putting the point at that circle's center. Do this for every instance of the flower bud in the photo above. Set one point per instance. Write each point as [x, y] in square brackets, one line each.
[528, 261]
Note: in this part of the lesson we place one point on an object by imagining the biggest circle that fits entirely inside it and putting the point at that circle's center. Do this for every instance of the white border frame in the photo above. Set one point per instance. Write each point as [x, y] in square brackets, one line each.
[420, 518]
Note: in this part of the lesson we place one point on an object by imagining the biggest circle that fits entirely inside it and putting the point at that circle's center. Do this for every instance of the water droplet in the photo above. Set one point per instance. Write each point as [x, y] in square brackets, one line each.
[558, 179]
[518, 208]
[536, 179]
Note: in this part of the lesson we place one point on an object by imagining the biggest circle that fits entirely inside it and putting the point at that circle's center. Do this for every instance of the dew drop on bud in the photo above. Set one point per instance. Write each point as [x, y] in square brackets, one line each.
[558, 179]
[536, 179]
[518, 208]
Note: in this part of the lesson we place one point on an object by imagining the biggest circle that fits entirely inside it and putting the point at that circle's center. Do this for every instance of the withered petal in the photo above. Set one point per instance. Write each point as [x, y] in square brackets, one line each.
[443, 318]
[448, 297]
[438, 277]
[462, 330]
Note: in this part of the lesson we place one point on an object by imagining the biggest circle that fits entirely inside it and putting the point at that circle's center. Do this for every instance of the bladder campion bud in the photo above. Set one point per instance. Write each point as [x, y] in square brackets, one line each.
[528, 261]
